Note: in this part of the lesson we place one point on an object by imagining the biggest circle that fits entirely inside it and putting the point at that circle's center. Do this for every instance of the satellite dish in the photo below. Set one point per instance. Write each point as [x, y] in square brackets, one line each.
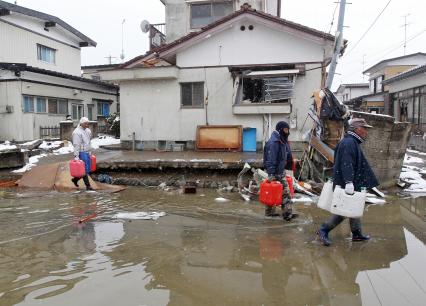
[145, 26]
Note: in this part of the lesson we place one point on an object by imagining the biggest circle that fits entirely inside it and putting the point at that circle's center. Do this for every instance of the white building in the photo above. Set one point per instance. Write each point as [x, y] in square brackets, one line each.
[40, 75]
[243, 67]
[347, 92]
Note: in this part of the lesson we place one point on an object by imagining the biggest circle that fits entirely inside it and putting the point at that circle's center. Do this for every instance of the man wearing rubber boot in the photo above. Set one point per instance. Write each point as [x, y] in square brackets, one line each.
[81, 142]
[351, 171]
[277, 158]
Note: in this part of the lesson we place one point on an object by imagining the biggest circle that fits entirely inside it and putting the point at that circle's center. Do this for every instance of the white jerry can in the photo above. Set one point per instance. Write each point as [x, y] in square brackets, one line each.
[351, 206]
[326, 197]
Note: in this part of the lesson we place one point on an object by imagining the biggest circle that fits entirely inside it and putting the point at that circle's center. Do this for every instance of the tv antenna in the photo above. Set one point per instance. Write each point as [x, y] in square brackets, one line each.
[405, 31]
[110, 57]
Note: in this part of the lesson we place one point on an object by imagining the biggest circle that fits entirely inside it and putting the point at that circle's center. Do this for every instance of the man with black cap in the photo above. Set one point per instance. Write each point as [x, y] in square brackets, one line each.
[352, 172]
[277, 158]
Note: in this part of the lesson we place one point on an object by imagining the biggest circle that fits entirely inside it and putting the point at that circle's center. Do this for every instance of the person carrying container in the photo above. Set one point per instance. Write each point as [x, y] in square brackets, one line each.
[81, 141]
[351, 172]
[277, 158]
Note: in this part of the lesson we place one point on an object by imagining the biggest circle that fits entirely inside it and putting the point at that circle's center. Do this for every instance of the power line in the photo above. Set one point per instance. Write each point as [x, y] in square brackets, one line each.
[332, 18]
[369, 28]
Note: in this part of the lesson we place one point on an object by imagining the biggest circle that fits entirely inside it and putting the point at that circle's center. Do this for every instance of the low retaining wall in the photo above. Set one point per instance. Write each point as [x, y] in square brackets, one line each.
[385, 146]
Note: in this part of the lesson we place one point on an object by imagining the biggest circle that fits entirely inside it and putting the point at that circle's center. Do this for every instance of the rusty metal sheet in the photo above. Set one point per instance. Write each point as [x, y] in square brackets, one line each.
[219, 137]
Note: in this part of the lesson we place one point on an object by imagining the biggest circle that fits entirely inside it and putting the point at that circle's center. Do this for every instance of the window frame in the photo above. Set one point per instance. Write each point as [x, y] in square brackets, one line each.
[79, 106]
[100, 108]
[90, 109]
[52, 54]
[198, 106]
[212, 18]
[37, 100]
[31, 109]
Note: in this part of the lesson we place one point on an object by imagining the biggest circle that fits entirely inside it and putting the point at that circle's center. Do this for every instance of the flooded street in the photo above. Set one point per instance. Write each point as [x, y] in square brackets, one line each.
[203, 252]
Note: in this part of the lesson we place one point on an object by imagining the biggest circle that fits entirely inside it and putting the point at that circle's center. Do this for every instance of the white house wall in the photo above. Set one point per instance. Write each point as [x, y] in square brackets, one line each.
[262, 45]
[152, 108]
[20, 46]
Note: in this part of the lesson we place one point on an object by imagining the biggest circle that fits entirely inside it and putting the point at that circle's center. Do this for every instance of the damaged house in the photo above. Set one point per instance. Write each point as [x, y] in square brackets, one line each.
[220, 63]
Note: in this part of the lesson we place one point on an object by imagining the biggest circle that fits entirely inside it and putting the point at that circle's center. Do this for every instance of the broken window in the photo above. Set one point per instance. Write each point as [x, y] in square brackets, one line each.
[267, 90]
[192, 94]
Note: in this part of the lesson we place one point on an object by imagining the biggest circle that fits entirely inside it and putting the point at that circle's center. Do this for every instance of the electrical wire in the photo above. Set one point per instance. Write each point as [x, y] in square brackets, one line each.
[369, 28]
[332, 18]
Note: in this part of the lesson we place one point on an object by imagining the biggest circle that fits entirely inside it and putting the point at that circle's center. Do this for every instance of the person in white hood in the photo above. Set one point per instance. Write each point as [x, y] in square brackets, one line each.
[81, 142]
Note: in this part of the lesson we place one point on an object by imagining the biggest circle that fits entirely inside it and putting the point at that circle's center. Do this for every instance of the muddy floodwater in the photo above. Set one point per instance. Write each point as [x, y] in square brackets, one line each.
[202, 252]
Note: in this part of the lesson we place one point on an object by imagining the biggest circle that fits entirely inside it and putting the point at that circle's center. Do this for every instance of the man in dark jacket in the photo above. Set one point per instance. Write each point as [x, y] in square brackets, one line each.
[277, 158]
[352, 172]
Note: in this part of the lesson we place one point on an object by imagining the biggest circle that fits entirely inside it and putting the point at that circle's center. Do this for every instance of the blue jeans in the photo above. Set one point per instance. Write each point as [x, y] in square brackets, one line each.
[335, 220]
[85, 157]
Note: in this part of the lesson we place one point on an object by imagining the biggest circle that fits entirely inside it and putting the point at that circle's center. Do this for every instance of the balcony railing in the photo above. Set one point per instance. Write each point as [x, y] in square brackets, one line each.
[157, 36]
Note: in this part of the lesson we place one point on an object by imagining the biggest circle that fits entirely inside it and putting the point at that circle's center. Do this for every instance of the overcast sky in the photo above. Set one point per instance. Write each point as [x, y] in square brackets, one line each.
[101, 20]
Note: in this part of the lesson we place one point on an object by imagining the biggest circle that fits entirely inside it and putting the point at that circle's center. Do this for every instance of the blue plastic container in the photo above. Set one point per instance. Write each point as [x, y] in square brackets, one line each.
[249, 139]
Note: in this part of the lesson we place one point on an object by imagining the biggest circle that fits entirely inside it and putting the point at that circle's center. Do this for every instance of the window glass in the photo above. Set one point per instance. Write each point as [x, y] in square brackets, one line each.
[192, 94]
[77, 111]
[221, 10]
[41, 105]
[45, 54]
[197, 94]
[62, 106]
[103, 109]
[52, 106]
[90, 112]
[201, 15]
[186, 94]
[28, 104]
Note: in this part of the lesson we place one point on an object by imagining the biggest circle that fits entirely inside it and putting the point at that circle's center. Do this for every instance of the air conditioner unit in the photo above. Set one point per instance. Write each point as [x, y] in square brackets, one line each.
[9, 108]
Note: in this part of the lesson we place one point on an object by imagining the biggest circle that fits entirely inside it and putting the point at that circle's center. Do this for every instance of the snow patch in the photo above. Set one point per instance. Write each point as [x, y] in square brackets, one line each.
[103, 141]
[32, 162]
[7, 146]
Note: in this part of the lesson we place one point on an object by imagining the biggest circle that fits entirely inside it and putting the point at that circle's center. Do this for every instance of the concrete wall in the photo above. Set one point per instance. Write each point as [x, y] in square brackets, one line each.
[21, 46]
[262, 45]
[152, 108]
[385, 146]
[178, 15]
[22, 126]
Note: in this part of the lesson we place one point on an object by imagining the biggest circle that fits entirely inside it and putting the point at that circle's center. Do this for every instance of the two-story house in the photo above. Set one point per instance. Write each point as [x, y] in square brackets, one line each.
[40, 75]
[221, 63]
[379, 98]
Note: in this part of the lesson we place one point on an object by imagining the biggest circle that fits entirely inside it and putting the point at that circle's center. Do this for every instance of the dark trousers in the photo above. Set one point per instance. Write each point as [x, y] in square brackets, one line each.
[85, 180]
[335, 220]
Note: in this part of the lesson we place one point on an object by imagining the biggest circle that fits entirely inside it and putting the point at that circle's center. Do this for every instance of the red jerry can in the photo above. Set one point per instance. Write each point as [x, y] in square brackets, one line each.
[77, 168]
[271, 193]
[289, 180]
[92, 163]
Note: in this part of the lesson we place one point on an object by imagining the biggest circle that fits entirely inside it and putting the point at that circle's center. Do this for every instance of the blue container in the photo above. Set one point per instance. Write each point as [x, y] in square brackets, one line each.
[249, 139]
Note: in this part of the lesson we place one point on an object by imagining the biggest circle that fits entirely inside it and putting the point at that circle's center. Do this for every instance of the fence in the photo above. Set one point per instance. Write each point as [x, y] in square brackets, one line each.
[51, 132]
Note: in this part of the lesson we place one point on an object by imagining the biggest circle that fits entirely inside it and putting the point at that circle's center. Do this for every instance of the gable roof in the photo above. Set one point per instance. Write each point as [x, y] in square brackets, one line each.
[353, 85]
[245, 9]
[6, 8]
[406, 74]
[393, 59]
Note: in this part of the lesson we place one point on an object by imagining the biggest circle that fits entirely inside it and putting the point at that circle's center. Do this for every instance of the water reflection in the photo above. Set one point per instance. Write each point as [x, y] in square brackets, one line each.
[203, 253]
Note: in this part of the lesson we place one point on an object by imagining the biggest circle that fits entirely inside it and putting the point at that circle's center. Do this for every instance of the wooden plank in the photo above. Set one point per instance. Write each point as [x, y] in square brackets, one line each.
[322, 148]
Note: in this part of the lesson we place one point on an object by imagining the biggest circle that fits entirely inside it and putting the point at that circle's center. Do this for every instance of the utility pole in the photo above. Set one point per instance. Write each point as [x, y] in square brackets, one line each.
[405, 31]
[122, 39]
[363, 67]
[110, 58]
[337, 44]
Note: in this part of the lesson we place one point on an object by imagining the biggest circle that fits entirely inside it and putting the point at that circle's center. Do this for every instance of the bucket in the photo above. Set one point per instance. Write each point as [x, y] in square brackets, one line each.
[249, 140]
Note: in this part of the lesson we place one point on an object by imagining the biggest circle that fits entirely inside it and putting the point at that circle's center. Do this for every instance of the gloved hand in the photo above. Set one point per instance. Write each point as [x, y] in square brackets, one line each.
[76, 158]
[349, 188]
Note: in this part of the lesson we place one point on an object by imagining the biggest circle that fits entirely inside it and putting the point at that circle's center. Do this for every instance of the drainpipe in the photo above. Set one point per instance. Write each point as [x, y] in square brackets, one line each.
[133, 141]
[337, 45]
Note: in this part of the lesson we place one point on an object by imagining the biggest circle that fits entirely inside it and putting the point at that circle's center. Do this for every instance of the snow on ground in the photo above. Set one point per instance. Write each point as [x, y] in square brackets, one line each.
[32, 162]
[412, 174]
[47, 145]
[103, 141]
[6, 146]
